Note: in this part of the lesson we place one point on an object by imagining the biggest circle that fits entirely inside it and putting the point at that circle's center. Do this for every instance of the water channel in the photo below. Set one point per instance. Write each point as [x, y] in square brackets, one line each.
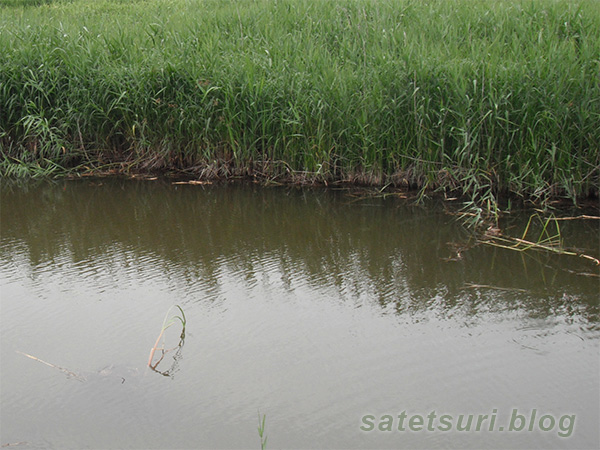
[330, 313]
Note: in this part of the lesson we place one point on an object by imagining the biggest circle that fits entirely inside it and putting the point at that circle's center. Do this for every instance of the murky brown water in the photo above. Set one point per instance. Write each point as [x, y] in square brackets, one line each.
[321, 311]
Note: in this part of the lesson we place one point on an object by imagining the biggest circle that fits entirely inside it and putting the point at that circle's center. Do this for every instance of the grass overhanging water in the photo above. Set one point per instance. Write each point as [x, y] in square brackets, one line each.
[478, 97]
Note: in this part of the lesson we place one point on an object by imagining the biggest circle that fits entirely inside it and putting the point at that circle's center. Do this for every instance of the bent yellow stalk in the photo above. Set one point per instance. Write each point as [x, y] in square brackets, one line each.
[167, 322]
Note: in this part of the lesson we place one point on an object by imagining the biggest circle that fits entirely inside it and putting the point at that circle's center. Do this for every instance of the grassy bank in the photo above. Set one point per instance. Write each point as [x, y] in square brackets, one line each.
[482, 96]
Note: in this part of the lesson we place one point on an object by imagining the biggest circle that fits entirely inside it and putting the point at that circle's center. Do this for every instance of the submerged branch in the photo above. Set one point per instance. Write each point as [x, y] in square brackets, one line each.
[487, 286]
[545, 242]
[583, 216]
[62, 369]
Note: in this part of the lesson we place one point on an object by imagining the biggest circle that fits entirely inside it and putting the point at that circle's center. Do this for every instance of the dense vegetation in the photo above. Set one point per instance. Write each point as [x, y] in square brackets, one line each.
[483, 96]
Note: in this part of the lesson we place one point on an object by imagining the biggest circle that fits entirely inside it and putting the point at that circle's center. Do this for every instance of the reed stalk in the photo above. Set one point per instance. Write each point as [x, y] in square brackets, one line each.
[168, 321]
[477, 97]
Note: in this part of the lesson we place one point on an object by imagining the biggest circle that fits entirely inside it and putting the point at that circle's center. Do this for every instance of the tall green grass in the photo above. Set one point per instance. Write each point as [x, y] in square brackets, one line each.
[483, 96]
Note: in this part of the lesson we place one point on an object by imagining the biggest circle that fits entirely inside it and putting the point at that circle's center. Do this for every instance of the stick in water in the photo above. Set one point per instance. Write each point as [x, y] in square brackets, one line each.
[62, 369]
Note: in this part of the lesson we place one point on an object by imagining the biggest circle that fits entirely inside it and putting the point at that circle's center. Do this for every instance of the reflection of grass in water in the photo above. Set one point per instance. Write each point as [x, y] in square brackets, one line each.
[167, 323]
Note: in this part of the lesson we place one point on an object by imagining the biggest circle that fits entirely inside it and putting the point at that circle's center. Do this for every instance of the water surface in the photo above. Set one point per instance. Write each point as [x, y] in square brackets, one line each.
[313, 307]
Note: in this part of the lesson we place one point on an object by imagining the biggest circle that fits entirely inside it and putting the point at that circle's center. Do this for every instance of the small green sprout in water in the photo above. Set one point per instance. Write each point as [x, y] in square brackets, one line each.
[261, 431]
